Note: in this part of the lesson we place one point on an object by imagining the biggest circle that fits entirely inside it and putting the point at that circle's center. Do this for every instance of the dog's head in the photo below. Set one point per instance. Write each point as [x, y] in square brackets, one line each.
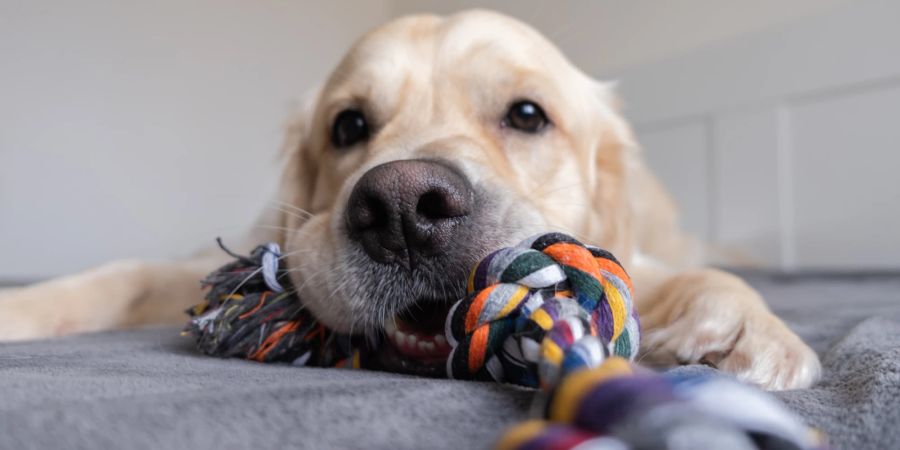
[435, 141]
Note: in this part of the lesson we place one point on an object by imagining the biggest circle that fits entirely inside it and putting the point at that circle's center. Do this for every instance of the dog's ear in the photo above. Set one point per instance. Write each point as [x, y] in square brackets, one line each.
[615, 154]
[644, 215]
[298, 178]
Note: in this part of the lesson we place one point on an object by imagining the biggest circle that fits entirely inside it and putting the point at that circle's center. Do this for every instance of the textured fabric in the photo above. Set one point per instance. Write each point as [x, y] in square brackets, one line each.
[150, 389]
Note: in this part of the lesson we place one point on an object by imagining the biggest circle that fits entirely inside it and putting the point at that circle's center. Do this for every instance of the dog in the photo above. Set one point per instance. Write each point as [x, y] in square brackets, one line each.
[435, 141]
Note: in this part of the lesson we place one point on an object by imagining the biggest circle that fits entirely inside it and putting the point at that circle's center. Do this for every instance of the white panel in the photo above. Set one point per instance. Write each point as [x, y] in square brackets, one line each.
[745, 188]
[846, 164]
[677, 153]
[774, 205]
[852, 44]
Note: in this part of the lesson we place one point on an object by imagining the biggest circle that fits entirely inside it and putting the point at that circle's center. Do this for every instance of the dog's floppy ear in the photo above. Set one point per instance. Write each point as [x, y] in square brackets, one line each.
[615, 154]
[644, 216]
[298, 178]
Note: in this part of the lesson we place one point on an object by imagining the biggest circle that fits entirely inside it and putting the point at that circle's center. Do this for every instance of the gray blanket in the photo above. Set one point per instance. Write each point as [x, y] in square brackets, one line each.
[148, 389]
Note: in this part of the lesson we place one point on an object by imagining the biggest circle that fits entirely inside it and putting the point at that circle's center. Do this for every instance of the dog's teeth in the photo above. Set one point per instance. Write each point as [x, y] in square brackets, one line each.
[416, 345]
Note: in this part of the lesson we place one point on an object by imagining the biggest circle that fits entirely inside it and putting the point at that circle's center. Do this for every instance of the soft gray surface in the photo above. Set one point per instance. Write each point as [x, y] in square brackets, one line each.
[147, 389]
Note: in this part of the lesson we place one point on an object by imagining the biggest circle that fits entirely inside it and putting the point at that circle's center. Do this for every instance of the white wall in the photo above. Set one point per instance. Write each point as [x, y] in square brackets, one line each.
[132, 128]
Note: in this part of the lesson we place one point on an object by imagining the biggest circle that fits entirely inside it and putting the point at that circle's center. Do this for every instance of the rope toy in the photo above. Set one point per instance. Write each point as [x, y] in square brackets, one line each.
[550, 313]
[540, 310]
[251, 312]
[619, 406]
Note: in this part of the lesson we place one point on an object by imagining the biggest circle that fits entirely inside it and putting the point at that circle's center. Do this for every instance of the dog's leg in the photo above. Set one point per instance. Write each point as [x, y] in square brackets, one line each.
[116, 295]
[712, 317]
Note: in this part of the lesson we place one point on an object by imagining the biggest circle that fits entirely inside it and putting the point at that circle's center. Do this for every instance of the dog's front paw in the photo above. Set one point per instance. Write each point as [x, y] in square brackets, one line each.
[25, 314]
[714, 318]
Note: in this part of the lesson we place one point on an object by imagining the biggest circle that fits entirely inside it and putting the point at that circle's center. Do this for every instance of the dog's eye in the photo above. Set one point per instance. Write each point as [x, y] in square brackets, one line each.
[350, 128]
[526, 116]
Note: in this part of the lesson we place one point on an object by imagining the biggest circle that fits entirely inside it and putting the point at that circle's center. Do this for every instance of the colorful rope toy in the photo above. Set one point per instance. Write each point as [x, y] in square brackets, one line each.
[251, 312]
[619, 406]
[540, 310]
[550, 313]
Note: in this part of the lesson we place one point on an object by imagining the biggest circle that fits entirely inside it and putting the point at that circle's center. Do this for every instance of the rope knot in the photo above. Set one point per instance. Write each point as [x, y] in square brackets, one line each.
[537, 311]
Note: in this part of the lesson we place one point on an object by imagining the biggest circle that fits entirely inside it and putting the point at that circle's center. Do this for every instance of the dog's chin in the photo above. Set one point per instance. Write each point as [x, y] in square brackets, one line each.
[414, 341]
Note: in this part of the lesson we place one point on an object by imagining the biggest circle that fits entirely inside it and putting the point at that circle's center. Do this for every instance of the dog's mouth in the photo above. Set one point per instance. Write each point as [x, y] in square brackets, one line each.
[414, 341]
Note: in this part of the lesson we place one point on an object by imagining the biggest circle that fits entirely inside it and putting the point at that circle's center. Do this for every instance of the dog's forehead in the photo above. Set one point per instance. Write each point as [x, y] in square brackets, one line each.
[499, 37]
[445, 42]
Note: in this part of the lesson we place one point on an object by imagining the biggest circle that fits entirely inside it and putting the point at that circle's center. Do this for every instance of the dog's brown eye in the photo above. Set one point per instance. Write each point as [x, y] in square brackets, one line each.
[526, 116]
[350, 127]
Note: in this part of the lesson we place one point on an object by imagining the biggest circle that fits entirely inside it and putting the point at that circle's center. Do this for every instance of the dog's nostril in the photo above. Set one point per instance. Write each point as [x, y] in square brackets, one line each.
[436, 205]
[371, 214]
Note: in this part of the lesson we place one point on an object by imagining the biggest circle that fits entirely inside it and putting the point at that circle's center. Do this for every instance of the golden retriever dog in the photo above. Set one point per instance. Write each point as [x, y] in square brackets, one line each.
[435, 141]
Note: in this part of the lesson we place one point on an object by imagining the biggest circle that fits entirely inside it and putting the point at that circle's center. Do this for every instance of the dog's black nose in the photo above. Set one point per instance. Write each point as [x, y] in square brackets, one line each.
[402, 211]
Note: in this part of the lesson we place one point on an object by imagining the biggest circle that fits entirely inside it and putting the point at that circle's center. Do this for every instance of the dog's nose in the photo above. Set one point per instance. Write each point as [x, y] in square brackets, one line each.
[405, 210]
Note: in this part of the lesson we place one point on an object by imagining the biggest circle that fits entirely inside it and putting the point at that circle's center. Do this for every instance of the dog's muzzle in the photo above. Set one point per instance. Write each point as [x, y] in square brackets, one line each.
[417, 221]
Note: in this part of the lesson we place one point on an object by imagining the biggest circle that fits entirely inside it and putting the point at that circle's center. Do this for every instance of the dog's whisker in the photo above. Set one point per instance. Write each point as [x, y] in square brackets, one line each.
[245, 280]
[643, 354]
[300, 231]
[288, 212]
[557, 227]
[295, 208]
[274, 227]
[312, 277]
[303, 251]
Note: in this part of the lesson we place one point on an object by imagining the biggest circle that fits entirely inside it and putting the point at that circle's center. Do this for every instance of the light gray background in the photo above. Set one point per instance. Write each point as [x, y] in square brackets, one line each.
[134, 129]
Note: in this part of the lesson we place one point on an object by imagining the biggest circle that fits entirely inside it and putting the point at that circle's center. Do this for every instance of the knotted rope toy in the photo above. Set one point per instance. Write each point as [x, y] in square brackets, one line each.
[251, 312]
[619, 405]
[540, 310]
[550, 313]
